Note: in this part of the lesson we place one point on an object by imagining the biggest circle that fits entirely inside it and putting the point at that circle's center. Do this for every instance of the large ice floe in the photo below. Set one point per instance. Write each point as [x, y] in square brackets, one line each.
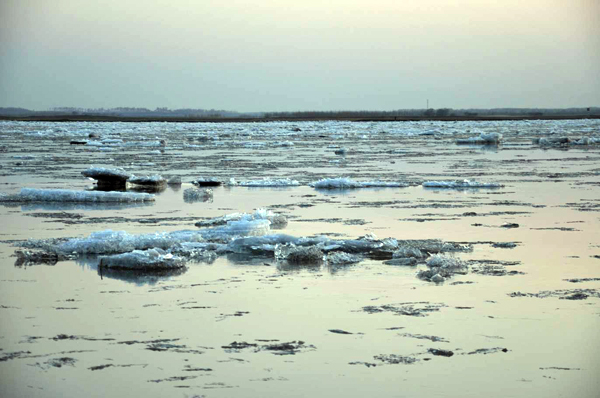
[483, 139]
[347, 183]
[458, 184]
[277, 220]
[265, 182]
[66, 195]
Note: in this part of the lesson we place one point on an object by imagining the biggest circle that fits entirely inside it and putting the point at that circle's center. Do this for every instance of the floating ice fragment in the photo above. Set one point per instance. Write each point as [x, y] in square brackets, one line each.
[347, 183]
[277, 220]
[66, 195]
[292, 254]
[197, 195]
[457, 184]
[483, 139]
[155, 180]
[442, 267]
[207, 182]
[342, 258]
[265, 182]
[147, 260]
[114, 177]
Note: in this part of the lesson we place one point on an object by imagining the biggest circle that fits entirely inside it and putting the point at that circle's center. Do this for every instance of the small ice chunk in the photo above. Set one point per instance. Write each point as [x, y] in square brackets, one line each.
[207, 182]
[442, 266]
[154, 180]
[175, 180]
[342, 258]
[197, 195]
[299, 255]
[483, 139]
[277, 220]
[106, 174]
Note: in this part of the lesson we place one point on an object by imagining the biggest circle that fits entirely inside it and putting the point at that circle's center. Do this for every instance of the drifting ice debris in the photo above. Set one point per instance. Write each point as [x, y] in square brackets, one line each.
[298, 254]
[30, 257]
[483, 139]
[66, 195]
[152, 181]
[505, 245]
[565, 141]
[265, 182]
[175, 180]
[442, 267]
[347, 183]
[342, 258]
[109, 178]
[460, 184]
[143, 260]
[207, 182]
[197, 195]
[277, 220]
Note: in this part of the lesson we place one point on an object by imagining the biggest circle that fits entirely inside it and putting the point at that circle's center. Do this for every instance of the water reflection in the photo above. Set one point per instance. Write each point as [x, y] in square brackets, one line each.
[139, 278]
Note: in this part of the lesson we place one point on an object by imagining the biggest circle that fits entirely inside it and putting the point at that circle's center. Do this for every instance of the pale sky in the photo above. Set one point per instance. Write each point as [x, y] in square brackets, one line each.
[300, 55]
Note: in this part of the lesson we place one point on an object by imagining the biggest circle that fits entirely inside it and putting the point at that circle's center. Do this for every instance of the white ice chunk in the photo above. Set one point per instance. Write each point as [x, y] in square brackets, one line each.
[277, 220]
[197, 195]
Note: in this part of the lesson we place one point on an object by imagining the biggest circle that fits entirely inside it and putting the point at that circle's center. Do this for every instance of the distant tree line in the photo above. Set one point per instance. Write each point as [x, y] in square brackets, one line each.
[435, 113]
[342, 114]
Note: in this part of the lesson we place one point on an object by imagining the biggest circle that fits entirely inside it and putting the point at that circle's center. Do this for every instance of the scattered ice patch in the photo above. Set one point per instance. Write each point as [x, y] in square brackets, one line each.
[460, 184]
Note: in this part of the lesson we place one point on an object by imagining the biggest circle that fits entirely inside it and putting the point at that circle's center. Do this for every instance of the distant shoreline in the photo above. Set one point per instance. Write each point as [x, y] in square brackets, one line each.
[102, 118]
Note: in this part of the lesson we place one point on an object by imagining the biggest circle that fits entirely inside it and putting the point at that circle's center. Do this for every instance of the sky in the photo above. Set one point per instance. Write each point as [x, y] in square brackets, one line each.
[285, 55]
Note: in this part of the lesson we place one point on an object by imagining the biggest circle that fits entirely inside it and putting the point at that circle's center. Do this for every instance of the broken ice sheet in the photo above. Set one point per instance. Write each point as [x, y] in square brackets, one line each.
[28, 195]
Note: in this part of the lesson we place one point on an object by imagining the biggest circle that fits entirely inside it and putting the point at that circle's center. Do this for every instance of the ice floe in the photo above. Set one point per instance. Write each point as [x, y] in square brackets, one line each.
[154, 180]
[265, 182]
[67, 195]
[197, 195]
[207, 182]
[277, 220]
[108, 177]
[347, 183]
[460, 184]
[483, 139]
[441, 267]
